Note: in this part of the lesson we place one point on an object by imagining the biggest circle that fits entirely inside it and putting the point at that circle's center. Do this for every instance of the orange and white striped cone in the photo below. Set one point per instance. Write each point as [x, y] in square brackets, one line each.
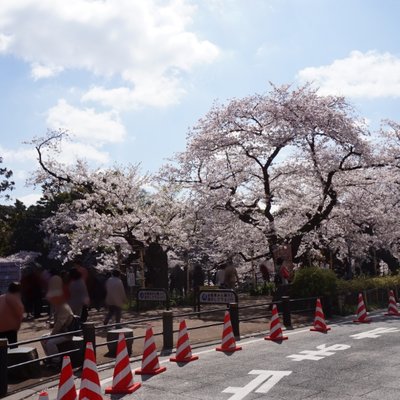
[66, 386]
[183, 349]
[123, 377]
[319, 320]
[275, 330]
[90, 382]
[362, 316]
[150, 364]
[43, 396]
[392, 308]
[228, 343]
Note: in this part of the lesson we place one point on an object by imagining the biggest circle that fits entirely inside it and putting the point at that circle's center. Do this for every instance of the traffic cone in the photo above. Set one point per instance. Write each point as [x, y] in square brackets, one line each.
[392, 308]
[183, 349]
[43, 396]
[319, 320]
[66, 386]
[228, 343]
[123, 377]
[150, 364]
[90, 382]
[275, 330]
[362, 316]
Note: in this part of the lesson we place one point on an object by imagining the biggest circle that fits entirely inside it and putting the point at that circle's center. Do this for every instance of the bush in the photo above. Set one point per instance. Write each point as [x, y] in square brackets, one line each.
[266, 289]
[365, 283]
[313, 281]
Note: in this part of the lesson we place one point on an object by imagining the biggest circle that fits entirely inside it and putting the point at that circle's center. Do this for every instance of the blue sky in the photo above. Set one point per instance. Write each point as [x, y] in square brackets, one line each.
[129, 77]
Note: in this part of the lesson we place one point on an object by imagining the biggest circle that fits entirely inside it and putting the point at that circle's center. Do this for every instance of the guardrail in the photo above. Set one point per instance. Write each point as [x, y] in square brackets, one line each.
[89, 331]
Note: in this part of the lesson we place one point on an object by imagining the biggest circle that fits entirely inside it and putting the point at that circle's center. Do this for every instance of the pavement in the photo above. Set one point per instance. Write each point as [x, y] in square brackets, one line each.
[352, 361]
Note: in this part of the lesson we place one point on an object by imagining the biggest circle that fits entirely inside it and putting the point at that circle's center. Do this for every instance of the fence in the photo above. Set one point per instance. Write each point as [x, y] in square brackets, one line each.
[89, 332]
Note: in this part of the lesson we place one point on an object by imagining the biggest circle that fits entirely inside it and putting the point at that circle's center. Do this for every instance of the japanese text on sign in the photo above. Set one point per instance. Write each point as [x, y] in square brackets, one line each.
[152, 295]
[217, 297]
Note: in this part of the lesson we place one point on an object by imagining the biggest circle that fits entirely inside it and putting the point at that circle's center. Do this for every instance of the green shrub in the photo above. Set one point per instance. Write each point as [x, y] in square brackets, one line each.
[313, 281]
[361, 283]
[266, 289]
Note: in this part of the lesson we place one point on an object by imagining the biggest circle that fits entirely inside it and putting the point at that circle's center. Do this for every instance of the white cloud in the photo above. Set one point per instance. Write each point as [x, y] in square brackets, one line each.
[19, 155]
[127, 39]
[159, 92]
[86, 124]
[4, 42]
[39, 71]
[71, 151]
[370, 75]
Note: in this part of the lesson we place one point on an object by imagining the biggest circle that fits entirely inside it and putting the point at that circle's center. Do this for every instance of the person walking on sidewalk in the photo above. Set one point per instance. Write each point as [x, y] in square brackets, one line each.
[115, 297]
[12, 312]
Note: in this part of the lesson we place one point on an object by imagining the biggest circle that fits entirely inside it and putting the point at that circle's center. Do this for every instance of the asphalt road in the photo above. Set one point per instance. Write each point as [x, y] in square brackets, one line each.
[352, 361]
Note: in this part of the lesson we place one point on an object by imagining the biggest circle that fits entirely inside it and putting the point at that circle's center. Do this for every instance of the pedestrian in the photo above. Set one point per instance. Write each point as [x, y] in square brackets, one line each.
[231, 275]
[198, 277]
[12, 312]
[220, 276]
[115, 298]
[78, 294]
[63, 318]
[265, 272]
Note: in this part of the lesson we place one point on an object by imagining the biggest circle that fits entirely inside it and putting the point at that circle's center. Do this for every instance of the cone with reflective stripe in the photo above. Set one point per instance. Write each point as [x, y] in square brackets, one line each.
[392, 308]
[362, 316]
[183, 349]
[66, 386]
[275, 330]
[228, 343]
[43, 396]
[90, 382]
[123, 377]
[150, 364]
[319, 320]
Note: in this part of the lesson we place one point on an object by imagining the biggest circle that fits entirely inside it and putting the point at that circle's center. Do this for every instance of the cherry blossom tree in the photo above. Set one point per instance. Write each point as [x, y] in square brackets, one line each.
[274, 162]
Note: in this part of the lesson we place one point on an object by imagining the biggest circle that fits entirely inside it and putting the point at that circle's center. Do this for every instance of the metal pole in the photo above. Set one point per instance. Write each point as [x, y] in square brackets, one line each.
[286, 317]
[3, 367]
[168, 330]
[234, 314]
[89, 334]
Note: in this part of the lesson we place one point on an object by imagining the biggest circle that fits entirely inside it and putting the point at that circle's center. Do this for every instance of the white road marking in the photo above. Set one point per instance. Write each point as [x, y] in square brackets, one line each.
[375, 333]
[267, 380]
[316, 355]
[106, 380]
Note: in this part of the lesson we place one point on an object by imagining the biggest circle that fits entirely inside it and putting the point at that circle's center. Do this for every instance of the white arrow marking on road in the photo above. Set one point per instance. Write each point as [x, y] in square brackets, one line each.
[375, 333]
[272, 378]
[316, 355]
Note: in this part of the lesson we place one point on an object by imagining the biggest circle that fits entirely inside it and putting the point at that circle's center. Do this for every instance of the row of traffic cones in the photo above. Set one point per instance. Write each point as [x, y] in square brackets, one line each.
[123, 382]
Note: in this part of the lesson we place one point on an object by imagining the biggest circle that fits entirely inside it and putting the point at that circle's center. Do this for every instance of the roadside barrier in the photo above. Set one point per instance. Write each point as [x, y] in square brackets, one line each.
[183, 348]
[228, 343]
[90, 382]
[392, 307]
[275, 333]
[319, 320]
[150, 364]
[123, 376]
[66, 385]
[362, 316]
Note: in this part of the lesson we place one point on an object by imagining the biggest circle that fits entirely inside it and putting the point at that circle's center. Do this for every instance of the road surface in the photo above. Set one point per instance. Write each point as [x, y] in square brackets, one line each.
[352, 361]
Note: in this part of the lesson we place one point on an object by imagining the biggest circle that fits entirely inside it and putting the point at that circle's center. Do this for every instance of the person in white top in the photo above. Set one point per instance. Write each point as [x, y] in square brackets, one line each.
[220, 276]
[115, 297]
